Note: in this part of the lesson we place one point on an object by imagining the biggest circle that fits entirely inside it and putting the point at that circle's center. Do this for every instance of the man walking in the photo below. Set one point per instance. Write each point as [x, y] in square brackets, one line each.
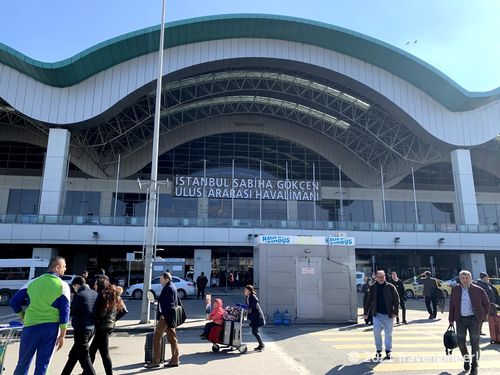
[167, 300]
[82, 319]
[383, 301]
[401, 292]
[430, 286]
[469, 306]
[491, 292]
[201, 284]
[45, 318]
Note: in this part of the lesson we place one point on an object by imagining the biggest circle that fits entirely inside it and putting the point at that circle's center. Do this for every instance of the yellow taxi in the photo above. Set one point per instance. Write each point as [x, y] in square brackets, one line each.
[414, 287]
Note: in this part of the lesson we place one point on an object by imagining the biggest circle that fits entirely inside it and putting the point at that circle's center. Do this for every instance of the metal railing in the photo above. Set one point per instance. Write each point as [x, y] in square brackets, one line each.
[247, 223]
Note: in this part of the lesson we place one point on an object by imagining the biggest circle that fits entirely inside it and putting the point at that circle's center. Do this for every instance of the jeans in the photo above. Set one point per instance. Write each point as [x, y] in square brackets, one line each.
[80, 352]
[428, 301]
[470, 324]
[382, 321]
[101, 343]
[160, 329]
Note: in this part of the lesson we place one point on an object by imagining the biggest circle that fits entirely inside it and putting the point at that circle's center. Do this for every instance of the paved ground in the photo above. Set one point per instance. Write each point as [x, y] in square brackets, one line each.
[298, 349]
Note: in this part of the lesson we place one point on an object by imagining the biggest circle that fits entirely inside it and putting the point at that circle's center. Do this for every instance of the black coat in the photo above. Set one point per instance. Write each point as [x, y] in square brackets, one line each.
[168, 299]
[400, 288]
[255, 314]
[83, 308]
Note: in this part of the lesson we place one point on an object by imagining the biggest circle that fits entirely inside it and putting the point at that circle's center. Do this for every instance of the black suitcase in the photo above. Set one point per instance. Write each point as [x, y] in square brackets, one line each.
[148, 348]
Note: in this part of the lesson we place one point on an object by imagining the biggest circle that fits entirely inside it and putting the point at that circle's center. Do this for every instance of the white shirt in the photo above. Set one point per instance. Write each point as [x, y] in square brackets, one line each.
[466, 304]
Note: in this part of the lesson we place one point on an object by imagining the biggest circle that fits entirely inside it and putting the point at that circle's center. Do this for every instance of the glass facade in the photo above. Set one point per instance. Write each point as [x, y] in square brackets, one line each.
[428, 212]
[489, 214]
[21, 159]
[23, 202]
[79, 203]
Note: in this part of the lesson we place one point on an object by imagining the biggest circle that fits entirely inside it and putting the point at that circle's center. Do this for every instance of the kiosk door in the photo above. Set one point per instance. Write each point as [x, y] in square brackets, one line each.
[309, 288]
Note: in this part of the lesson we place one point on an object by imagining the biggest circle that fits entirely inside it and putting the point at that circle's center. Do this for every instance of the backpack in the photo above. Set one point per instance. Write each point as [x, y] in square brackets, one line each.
[450, 340]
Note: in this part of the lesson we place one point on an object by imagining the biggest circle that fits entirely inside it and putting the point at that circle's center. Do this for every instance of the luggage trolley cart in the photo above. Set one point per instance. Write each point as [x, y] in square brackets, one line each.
[232, 332]
[7, 335]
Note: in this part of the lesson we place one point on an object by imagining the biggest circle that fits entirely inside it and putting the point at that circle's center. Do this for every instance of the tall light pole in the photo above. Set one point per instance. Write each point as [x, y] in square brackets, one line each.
[153, 192]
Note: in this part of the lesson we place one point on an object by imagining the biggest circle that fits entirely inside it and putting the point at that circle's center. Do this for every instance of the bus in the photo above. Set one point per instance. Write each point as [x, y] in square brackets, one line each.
[15, 273]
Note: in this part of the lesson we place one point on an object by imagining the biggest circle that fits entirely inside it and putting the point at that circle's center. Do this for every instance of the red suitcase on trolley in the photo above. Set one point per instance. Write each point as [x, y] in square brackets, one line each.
[494, 323]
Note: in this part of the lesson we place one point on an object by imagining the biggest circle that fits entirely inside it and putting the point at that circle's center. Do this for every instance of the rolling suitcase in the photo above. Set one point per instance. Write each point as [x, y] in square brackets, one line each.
[148, 348]
[494, 324]
[228, 332]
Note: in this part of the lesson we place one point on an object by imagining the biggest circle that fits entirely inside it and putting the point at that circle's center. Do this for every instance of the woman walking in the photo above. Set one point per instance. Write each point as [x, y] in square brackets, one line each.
[255, 314]
[109, 308]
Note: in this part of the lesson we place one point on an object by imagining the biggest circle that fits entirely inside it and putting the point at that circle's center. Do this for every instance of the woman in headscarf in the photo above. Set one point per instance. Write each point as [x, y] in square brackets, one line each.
[109, 308]
[255, 315]
[216, 317]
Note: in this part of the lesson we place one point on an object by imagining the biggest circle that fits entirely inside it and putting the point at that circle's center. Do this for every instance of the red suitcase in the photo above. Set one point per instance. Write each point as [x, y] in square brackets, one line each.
[494, 323]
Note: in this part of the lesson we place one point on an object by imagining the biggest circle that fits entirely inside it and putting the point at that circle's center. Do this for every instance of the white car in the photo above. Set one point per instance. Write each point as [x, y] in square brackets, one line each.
[453, 281]
[184, 288]
[360, 280]
[68, 278]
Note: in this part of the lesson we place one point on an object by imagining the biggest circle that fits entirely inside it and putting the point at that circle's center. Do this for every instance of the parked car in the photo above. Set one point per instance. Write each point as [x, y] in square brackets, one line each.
[68, 278]
[184, 288]
[415, 288]
[453, 281]
[360, 280]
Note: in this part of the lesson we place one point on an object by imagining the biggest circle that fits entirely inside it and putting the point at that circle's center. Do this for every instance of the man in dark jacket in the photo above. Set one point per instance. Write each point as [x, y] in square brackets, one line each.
[491, 292]
[383, 301]
[83, 318]
[168, 299]
[430, 286]
[469, 306]
[401, 292]
[201, 284]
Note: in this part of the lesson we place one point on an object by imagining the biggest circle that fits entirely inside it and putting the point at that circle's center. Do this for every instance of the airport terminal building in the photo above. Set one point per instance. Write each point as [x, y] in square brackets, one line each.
[269, 125]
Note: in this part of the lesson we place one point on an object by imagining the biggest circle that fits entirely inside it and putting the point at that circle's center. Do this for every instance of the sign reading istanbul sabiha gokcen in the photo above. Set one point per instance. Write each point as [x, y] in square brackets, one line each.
[246, 188]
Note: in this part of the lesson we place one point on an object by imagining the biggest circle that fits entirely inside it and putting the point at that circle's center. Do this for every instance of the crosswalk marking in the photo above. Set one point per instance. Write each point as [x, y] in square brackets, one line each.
[397, 354]
[456, 365]
[356, 339]
[371, 345]
[370, 333]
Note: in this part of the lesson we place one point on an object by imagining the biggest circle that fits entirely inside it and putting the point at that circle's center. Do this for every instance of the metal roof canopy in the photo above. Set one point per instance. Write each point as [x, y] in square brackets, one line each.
[114, 51]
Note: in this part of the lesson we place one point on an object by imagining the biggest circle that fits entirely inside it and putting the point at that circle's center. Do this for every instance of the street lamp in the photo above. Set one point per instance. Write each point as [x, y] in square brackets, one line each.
[153, 192]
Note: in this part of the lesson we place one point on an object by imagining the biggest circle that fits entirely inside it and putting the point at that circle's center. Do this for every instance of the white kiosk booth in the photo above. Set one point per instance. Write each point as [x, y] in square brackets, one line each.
[314, 278]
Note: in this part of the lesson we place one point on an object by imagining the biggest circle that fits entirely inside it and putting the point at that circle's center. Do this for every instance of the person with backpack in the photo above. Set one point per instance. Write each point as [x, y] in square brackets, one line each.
[109, 308]
[201, 284]
[469, 306]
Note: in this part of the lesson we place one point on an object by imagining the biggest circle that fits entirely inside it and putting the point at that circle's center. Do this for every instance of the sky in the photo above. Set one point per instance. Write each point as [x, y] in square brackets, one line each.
[461, 38]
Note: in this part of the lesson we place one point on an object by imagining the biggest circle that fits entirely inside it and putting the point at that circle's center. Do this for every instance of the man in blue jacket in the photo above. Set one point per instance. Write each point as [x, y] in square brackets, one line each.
[83, 320]
[167, 300]
[45, 317]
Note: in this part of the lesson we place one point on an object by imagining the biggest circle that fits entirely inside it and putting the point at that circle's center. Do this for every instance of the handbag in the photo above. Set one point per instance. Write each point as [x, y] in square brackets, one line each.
[450, 339]
[176, 316]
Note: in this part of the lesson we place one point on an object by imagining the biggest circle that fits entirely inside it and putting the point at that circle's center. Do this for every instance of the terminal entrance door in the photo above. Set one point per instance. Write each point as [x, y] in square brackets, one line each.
[309, 288]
